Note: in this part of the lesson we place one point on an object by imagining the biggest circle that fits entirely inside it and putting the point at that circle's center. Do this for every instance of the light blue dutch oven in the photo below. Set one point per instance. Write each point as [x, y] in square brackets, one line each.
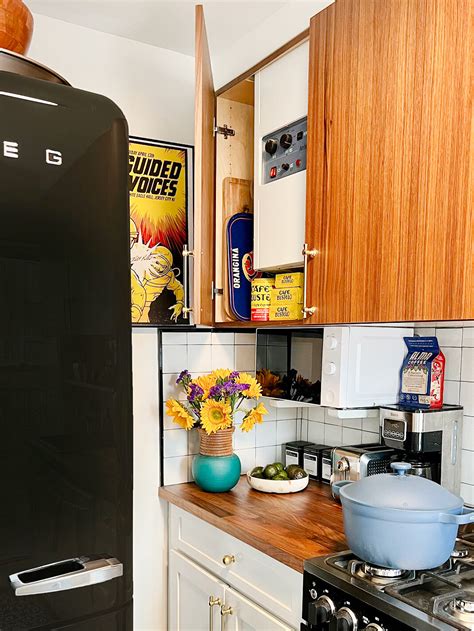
[401, 521]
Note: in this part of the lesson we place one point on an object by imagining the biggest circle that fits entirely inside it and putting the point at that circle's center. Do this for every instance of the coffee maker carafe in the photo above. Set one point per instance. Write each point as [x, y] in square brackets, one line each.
[431, 440]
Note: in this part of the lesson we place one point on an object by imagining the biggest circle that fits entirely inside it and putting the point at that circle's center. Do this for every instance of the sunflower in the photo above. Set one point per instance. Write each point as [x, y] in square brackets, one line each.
[205, 382]
[254, 390]
[179, 414]
[215, 415]
[254, 416]
[221, 373]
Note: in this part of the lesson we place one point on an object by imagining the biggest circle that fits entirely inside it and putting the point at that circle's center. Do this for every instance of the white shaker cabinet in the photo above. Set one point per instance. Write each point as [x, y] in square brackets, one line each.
[241, 614]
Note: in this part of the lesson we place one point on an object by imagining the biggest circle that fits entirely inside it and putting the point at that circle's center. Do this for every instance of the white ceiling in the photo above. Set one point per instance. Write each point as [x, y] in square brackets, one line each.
[164, 24]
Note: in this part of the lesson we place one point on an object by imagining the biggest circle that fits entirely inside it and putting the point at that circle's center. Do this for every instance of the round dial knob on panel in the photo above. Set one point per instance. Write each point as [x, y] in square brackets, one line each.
[373, 626]
[286, 140]
[271, 146]
[321, 611]
[343, 464]
[346, 620]
[329, 368]
[285, 166]
[330, 342]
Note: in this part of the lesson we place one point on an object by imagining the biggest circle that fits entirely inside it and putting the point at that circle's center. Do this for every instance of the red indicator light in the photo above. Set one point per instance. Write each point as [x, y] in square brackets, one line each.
[273, 172]
[298, 163]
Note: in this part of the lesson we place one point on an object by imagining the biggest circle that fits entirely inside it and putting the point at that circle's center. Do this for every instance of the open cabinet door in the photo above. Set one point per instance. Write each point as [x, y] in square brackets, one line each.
[204, 175]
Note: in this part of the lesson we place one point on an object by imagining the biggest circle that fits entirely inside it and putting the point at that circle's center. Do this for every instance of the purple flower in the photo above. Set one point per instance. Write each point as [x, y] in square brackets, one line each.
[233, 375]
[216, 391]
[195, 391]
[184, 375]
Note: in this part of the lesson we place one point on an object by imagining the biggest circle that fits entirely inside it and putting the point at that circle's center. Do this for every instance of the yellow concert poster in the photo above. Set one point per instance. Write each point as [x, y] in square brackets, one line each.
[160, 194]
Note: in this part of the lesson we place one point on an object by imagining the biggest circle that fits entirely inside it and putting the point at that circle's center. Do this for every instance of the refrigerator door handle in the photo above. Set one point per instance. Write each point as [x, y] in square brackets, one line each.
[67, 574]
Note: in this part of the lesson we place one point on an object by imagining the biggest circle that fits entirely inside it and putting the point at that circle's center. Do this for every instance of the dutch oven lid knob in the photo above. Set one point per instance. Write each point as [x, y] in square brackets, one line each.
[401, 468]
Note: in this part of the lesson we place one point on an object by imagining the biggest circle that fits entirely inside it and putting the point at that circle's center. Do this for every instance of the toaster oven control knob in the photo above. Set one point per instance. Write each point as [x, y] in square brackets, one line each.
[329, 368]
[331, 342]
[373, 626]
[286, 140]
[321, 611]
[271, 146]
[346, 620]
[343, 465]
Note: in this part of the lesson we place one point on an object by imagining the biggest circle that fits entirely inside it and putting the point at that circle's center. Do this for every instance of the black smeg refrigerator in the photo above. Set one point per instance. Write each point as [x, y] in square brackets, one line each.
[65, 360]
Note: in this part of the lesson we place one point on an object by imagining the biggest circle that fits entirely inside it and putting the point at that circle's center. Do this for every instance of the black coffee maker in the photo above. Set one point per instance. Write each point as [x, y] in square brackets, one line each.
[430, 440]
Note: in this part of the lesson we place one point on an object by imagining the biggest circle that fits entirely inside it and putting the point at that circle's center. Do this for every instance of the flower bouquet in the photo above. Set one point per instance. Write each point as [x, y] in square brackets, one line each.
[211, 404]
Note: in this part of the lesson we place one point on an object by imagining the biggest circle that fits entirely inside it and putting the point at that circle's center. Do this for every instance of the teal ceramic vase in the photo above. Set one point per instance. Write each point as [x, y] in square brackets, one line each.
[216, 468]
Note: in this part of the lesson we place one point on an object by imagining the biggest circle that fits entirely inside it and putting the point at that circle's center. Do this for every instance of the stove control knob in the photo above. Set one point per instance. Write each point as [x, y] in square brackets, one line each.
[321, 611]
[346, 620]
[373, 626]
[286, 140]
[271, 146]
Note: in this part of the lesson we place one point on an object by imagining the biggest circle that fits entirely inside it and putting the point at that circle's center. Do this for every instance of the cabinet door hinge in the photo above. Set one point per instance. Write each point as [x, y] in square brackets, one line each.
[226, 131]
[216, 291]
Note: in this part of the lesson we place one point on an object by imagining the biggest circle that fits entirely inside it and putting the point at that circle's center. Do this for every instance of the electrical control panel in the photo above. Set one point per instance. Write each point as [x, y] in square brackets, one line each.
[284, 151]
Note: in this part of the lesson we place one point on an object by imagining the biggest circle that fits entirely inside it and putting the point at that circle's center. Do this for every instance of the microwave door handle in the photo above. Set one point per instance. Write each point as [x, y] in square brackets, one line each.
[90, 571]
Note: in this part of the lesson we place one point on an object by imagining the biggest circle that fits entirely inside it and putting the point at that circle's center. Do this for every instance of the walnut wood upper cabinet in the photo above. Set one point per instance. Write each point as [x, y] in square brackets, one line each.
[204, 174]
[390, 170]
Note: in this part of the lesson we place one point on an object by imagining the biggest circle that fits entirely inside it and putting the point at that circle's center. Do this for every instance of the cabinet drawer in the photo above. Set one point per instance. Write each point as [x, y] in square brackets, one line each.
[276, 587]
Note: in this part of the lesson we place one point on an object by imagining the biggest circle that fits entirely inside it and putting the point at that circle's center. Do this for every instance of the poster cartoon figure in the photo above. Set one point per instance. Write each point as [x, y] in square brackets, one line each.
[158, 230]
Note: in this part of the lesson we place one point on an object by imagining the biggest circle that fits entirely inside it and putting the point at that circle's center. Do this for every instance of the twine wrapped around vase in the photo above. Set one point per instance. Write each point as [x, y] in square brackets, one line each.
[217, 444]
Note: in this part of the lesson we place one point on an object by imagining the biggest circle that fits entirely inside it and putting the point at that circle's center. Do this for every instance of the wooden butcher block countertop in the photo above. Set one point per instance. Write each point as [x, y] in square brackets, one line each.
[290, 528]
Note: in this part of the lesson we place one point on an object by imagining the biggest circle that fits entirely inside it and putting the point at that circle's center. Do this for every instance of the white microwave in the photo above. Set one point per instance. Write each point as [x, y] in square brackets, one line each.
[334, 366]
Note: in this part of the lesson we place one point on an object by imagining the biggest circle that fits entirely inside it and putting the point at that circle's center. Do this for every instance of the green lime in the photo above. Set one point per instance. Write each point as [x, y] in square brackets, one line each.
[280, 476]
[279, 466]
[257, 475]
[270, 471]
[297, 474]
[291, 467]
[257, 472]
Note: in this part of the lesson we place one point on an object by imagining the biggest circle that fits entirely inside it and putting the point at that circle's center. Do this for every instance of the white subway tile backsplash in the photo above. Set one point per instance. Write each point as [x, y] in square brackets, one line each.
[370, 437]
[332, 435]
[223, 338]
[314, 413]
[449, 337]
[175, 443]
[266, 434]
[425, 331]
[303, 429]
[316, 432]
[468, 337]
[267, 455]
[199, 337]
[286, 431]
[199, 359]
[245, 358]
[371, 425]
[243, 440]
[286, 414]
[223, 356]
[453, 363]
[247, 459]
[174, 358]
[467, 466]
[467, 371]
[245, 338]
[177, 470]
[271, 411]
[451, 392]
[467, 397]
[468, 433]
[354, 423]
[174, 338]
[172, 390]
[193, 441]
[467, 493]
[351, 436]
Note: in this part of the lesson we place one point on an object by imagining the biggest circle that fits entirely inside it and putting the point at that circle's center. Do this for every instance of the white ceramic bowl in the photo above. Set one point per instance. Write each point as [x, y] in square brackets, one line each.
[277, 486]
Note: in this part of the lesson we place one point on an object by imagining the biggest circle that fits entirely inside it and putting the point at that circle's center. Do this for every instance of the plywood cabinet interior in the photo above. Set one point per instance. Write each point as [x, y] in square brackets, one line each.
[390, 170]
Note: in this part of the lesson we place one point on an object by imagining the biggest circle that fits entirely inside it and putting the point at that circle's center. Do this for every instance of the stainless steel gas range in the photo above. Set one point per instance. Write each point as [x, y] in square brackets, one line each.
[342, 593]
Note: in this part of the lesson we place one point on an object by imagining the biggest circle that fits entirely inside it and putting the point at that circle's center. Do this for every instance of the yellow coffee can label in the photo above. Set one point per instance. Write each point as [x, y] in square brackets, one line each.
[290, 279]
[280, 313]
[287, 296]
[260, 299]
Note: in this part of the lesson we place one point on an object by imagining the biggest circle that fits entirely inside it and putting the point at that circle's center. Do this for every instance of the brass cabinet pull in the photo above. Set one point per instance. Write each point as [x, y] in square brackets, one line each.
[225, 611]
[228, 559]
[307, 254]
[213, 602]
[187, 309]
